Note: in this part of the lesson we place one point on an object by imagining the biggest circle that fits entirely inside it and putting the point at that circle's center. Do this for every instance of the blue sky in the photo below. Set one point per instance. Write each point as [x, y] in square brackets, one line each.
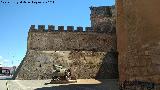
[15, 20]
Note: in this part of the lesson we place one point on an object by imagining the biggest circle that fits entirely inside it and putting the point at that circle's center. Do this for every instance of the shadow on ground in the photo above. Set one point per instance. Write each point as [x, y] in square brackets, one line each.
[107, 75]
[108, 84]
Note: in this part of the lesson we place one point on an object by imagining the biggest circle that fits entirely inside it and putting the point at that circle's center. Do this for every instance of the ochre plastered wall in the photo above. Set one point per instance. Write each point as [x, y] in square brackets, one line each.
[138, 33]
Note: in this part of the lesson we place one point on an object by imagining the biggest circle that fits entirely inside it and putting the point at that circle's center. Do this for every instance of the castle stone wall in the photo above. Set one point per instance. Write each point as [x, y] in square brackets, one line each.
[65, 41]
[103, 18]
[83, 64]
[89, 52]
[138, 45]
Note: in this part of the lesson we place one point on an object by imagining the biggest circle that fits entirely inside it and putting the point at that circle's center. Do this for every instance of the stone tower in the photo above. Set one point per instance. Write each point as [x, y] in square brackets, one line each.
[138, 36]
[103, 18]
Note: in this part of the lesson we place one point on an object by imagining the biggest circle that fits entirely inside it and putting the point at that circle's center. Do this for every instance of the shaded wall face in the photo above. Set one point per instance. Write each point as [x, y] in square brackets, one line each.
[138, 31]
[83, 64]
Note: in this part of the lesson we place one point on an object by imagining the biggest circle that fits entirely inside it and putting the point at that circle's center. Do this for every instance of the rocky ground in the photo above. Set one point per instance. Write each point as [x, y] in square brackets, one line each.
[82, 84]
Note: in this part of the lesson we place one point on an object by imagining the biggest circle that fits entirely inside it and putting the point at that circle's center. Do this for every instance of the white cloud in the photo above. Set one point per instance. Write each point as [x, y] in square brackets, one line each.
[1, 57]
[6, 61]
[3, 61]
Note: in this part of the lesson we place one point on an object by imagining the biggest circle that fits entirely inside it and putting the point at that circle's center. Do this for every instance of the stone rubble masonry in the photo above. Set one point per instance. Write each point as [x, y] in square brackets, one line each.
[89, 53]
[65, 41]
[103, 18]
[138, 36]
[83, 64]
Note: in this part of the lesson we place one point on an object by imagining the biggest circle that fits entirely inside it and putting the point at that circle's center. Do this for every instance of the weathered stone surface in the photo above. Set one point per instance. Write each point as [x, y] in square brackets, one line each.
[83, 64]
[138, 31]
[103, 18]
[65, 41]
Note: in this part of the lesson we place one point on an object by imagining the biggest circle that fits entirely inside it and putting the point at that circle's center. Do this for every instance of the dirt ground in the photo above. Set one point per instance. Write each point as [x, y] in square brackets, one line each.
[82, 84]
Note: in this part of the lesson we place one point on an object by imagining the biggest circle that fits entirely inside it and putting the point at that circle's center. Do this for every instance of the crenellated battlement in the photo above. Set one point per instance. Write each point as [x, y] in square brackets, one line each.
[51, 28]
[101, 36]
[101, 22]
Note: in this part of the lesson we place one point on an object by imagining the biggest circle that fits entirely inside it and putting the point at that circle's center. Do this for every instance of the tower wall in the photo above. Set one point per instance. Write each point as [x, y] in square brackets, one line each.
[138, 31]
[103, 18]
